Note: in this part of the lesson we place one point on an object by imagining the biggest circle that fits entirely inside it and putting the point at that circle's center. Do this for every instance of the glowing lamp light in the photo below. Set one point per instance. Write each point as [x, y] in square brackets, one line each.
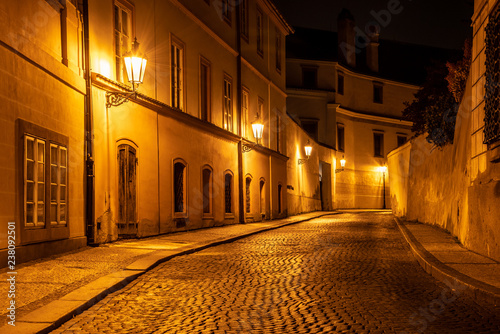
[342, 165]
[135, 63]
[258, 129]
[383, 169]
[308, 148]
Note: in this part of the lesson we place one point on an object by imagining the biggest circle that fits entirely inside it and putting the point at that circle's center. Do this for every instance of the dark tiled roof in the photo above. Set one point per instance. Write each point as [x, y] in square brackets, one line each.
[398, 61]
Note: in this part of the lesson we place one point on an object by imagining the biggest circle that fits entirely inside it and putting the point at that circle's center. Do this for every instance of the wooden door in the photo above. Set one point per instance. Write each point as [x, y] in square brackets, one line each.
[127, 191]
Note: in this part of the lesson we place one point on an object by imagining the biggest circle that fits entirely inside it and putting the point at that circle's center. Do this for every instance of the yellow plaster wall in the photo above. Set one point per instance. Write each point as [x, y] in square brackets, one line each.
[53, 101]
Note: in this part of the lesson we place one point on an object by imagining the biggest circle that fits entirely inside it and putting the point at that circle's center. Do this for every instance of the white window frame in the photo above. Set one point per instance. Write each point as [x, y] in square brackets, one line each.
[124, 44]
[228, 103]
[35, 201]
[60, 198]
[177, 75]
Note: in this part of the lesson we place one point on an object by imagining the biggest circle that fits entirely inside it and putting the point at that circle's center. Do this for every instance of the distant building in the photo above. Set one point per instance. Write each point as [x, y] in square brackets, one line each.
[349, 96]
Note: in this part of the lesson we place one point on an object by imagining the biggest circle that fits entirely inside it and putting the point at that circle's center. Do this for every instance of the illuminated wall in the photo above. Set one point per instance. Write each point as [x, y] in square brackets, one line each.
[456, 188]
[41, 97]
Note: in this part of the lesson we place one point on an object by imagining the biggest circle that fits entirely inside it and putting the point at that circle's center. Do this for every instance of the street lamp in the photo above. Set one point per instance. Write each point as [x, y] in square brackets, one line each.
[308, 149]
[135, 65]
[342, 165]
[258, 131]
[383, 169]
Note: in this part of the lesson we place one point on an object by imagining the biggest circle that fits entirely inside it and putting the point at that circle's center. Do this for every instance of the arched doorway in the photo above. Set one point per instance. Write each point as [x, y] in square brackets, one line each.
[127, 190]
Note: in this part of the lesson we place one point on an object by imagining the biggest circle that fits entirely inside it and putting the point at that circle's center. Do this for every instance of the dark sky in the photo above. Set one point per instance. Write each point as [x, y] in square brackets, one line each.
[442, 23]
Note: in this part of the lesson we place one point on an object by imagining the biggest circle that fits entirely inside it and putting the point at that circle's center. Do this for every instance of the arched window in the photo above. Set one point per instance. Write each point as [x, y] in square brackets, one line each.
[180, 186]
[207, 190]
[248, 182]
[262, 185]
[228, 192]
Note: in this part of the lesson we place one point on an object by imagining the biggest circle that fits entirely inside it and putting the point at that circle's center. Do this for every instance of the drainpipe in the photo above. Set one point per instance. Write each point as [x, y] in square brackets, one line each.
[238, 108]
[89, 134]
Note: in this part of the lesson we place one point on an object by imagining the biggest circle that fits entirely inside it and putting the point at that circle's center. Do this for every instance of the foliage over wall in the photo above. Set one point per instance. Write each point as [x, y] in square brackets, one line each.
[434, 109]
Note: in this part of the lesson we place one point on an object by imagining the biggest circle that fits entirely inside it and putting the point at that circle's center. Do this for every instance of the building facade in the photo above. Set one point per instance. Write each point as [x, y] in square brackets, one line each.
[347, 104]
[91, 158]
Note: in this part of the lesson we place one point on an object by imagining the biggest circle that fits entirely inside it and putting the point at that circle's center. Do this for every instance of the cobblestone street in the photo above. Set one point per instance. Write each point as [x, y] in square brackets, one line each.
[346, 273]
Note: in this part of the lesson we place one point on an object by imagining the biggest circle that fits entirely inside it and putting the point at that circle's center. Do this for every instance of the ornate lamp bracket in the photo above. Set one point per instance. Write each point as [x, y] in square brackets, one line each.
[114, 99]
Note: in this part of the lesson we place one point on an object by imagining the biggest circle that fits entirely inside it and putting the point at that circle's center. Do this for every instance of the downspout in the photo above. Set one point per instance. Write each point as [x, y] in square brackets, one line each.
[89, 134]
[238, 107]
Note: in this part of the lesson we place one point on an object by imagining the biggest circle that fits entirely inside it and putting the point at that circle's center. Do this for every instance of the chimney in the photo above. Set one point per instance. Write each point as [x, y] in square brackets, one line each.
[372, 49]
[346, 38]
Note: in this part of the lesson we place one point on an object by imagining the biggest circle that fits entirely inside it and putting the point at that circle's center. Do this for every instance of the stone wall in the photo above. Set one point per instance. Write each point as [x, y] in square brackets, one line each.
[434, 186]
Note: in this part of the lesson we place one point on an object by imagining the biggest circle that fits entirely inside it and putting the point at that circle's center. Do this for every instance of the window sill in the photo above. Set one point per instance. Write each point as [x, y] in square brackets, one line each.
[229, 216]
[207, 217]
[178, 215]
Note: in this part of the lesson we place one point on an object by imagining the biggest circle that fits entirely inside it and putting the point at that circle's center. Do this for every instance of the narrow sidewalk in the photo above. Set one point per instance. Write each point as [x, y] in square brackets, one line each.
[50, 291]
[442, 256]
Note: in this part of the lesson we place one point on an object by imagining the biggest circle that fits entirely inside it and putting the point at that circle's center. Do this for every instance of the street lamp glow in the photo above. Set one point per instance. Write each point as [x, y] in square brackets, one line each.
[308, 149]
[135, 63]
[342, 163]
[383, 169]
[258, 129]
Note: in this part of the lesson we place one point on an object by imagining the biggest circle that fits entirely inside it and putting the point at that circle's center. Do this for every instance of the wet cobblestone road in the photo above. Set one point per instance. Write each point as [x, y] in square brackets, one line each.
[348, 273]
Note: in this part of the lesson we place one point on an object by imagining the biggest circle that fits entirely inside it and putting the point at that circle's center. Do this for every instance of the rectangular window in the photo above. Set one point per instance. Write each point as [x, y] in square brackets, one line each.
[123, 39]
[278, 133]
[228, 104]
[260, 32]
[43, 183]
[310, 126]
[378, 93]
[226, 11]
[278, 51]
[58, 184]
[340, 138]
[177, 73]
[378, 144]
[244, 19]
[244, 111]
[340, 85]
[402, 140]
[492, 88]
[309, 77]
[205, 90]
[34, 181]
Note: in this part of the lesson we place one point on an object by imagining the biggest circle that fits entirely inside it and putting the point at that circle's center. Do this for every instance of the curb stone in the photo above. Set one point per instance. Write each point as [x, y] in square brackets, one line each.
[478, 290]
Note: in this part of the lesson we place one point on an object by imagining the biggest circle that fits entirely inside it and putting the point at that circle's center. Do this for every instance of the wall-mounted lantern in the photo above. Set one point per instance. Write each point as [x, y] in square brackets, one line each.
[258, 131]
[135, 65]
[308, 150]
[342, 165]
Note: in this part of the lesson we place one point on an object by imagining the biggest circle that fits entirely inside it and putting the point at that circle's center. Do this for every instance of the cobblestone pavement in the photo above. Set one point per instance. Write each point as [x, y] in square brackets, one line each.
[348, 273]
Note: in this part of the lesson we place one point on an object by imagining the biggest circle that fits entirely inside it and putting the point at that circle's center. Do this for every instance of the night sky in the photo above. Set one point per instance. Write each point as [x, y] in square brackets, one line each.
[441, 23]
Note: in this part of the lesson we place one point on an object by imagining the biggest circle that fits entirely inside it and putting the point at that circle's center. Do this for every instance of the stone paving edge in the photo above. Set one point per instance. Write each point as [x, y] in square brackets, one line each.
[69, 305]
[478, 290]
